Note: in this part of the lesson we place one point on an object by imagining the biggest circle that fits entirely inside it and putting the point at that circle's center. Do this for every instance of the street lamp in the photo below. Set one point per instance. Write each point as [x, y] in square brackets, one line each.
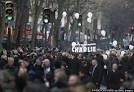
[89, 20]
[90, 14]
[77, 21]
[103, 33]
[77, 15]
[115, 43]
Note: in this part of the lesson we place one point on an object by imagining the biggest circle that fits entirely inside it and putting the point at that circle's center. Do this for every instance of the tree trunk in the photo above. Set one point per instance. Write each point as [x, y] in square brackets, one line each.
[38, 8]
[58, 21]
[21, 18]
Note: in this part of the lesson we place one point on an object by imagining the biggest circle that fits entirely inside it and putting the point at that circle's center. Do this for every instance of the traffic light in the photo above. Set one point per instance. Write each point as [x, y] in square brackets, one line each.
[46, 15]
[9, 10]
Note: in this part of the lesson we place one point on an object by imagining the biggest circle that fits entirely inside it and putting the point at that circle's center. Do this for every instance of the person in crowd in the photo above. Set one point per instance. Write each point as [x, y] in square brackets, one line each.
[84, 77]
[36, 86]
[45, 70]
[73, 81]
[96, 73]
[128, 84]
[21, 77]
[112, 59]
[90, 87]
[100, 60]
[7, 82]
[115, 77]
[60, 79]
[48, 72]
[3, 61]
[126, 64]
[74, 64]
[10, 64]
[38, 69]
[132, 64]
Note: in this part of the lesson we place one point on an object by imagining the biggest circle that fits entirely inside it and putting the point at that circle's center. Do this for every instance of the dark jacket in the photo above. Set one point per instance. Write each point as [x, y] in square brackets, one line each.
[85, 79]
[96, 76]
[114, 79]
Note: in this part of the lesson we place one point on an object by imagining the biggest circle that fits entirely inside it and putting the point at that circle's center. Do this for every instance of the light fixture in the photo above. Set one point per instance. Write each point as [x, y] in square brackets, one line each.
[77, 15]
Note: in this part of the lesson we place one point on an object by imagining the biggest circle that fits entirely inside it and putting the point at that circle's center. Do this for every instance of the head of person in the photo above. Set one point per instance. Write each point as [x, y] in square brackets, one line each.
[4, 57]
[73, 81]
[115, 66]
[10, 61]
[46, 63]
[94, 62]
[38, 62]
[26, 62]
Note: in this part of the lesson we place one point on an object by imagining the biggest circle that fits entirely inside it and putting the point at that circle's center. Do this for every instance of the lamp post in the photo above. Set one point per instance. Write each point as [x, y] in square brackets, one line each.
[77, 15]
[9, 15]
[62, 29]
[90, 14]
[45, 21]
[89, 20]
[79, 25]
[103, 33]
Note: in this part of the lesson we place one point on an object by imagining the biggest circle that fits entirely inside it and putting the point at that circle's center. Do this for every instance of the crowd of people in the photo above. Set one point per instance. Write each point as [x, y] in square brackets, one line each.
[53, 70]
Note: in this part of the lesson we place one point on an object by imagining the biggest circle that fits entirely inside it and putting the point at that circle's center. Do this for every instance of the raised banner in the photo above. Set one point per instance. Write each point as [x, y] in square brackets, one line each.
[81, 48]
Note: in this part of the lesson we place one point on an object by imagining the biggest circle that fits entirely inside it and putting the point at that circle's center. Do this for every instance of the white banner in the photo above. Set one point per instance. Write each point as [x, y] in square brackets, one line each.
[81, 48]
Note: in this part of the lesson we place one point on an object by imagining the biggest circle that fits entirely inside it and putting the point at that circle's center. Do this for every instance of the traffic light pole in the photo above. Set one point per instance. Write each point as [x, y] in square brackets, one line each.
[9, 39]
[79, 34]
[45, 34]
[9, 15]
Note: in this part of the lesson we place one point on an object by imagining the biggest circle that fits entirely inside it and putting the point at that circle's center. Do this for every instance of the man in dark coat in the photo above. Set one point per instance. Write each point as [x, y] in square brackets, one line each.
[74, 65]
[115, 77]
[96, 73]
[84, 77]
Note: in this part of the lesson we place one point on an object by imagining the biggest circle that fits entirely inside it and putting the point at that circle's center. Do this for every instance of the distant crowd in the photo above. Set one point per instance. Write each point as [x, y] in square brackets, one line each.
[53, 70]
